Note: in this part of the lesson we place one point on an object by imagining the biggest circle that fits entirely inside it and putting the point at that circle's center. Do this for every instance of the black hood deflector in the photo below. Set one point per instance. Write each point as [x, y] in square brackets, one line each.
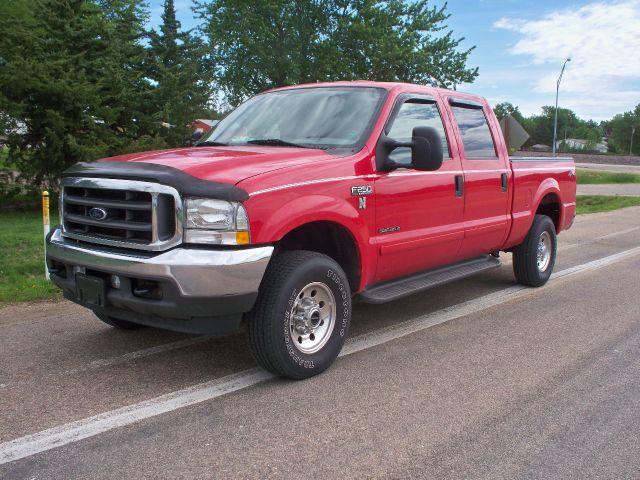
[186, 184]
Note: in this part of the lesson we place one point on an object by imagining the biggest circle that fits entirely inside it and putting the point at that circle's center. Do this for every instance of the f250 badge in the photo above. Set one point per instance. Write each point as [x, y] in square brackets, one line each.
[361, 192]
[358, 191]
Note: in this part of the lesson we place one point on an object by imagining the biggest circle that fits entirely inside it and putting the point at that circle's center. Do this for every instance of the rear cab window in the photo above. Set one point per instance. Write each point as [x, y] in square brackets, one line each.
[477, 140]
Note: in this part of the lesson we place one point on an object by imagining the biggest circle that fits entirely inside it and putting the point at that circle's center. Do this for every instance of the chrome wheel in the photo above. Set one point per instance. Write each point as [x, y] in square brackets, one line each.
[544, 251]
[312, 317]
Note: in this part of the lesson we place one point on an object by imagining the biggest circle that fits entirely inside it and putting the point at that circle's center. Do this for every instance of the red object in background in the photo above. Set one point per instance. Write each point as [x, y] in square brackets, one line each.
[203, 124]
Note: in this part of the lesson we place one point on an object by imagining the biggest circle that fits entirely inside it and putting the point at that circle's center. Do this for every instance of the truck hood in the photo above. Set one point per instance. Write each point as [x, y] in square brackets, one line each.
[227, 164]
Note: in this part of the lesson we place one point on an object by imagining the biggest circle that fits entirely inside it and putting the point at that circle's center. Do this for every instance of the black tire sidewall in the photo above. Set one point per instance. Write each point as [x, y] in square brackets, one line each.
[541, 224]
[318, 268]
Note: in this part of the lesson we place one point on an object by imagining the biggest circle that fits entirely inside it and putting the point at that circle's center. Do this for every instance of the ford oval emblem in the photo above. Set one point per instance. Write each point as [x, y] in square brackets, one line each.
[98, 213]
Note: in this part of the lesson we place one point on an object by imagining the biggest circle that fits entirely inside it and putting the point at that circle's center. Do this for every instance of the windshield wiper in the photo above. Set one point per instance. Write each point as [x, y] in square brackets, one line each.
[277, 142]
[211, 144]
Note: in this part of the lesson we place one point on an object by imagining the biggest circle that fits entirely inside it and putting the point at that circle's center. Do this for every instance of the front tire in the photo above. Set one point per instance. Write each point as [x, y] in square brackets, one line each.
[301, 317]
[534, 258]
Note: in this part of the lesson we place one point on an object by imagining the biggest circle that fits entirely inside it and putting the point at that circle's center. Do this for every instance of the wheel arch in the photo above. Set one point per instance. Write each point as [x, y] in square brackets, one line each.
[330, 238]
[548, 201]
[550, 206]
[306, 221]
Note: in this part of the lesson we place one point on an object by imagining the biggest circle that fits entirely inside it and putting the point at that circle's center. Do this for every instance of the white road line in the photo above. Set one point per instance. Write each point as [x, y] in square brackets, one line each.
[614, 234]
[126, 357]
[111, 361]
[72, 432]
[591, 241]
[88, 427]
[408, 327]
[597, 239]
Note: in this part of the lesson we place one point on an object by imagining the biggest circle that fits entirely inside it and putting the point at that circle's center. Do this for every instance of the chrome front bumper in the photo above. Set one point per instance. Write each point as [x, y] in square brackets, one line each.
[195, 282]
[195, 272]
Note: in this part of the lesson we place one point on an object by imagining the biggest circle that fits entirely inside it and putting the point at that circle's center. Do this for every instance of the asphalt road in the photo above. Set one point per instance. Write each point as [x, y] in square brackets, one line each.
[475, 379]
[621, 189]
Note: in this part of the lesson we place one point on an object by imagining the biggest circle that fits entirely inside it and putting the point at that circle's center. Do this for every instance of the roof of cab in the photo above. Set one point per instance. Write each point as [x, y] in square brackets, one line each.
[390, 86]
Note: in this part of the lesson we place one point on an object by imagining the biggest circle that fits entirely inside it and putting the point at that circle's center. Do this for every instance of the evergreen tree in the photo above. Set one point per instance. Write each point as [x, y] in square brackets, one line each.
[128, 91]
[48, 86]
[182, 75]
[72, 81]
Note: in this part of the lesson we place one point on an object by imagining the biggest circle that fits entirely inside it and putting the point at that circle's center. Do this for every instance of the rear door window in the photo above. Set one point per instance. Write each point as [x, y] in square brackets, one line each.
[476, 135]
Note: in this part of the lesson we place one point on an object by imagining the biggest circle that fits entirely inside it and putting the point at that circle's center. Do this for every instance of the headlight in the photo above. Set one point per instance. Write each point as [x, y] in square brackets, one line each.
[216, 222]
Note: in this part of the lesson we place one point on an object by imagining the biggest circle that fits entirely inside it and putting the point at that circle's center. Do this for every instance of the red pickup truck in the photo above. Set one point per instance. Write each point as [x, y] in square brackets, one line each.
[300, 200]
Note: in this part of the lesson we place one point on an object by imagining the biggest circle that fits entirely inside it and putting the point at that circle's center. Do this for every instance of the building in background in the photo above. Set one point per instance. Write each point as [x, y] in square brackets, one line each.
[580, 144]
[204, 124]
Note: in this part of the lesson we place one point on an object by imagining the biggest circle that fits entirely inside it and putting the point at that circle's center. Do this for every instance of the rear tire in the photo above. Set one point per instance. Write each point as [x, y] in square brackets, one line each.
[301, 317]
[534, 258]
[117, 323]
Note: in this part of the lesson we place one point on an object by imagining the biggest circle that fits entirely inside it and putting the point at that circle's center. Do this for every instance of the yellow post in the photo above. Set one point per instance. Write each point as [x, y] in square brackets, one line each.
[45, 223]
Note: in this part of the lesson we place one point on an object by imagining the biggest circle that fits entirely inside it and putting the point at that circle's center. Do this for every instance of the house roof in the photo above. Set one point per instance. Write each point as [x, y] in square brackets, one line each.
[206, 121]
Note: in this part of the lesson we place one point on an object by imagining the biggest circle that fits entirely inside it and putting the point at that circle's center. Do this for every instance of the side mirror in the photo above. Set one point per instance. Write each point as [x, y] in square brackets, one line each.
[426, 150]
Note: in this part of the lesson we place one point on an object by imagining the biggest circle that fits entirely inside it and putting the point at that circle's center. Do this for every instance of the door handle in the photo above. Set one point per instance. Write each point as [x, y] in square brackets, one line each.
[503, 178]
[459, 185]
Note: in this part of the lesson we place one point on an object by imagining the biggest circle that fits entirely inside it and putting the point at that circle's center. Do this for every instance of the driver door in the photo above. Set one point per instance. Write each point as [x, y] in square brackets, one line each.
[419, 215]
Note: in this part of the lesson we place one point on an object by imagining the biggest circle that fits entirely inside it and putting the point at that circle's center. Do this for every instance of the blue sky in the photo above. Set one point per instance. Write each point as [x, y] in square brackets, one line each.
[521, 45]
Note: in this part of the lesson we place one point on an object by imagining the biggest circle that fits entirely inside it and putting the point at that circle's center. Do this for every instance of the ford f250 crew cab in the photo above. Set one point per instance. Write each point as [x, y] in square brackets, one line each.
[299, 201]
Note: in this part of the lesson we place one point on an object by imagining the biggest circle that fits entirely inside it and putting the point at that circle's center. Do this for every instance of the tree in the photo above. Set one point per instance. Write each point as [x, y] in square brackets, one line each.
[45, 84]
[182, 74]
[621, 128]
[72, 78]
[127, 91]
[395, 40]
[540, 127]
[261, 45]
[505, 108]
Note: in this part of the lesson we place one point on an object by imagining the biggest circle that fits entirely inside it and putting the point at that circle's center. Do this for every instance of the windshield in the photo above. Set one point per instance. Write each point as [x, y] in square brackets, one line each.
[319, 117]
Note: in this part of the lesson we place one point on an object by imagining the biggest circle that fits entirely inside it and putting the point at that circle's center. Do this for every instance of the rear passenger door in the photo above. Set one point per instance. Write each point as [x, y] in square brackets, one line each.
[486, 180]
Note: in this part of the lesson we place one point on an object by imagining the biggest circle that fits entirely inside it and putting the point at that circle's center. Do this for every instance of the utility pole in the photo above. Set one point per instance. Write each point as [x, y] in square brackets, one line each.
[555, 119]
[633, 131]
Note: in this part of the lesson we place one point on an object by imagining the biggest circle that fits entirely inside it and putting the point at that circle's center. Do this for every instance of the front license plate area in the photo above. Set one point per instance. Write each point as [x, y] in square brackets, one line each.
[91, 290]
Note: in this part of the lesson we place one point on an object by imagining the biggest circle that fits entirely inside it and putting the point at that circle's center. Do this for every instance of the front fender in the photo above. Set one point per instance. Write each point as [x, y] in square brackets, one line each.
[312, 208]
[270, 222]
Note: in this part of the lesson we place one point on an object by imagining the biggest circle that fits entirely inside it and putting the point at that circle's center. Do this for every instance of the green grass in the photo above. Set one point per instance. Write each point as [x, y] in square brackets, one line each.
[587, 177]
[22, 258]
[604, 203]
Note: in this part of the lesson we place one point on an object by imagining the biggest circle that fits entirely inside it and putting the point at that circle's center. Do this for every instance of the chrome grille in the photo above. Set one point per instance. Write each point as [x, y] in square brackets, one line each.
[125, 213]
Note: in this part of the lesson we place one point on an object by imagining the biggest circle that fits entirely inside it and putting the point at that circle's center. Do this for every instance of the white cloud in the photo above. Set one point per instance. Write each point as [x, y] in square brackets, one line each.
[603, 40]
[508, 23]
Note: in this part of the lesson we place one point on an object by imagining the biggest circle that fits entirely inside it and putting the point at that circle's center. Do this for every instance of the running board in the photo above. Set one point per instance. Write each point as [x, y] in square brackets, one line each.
[395, 289]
